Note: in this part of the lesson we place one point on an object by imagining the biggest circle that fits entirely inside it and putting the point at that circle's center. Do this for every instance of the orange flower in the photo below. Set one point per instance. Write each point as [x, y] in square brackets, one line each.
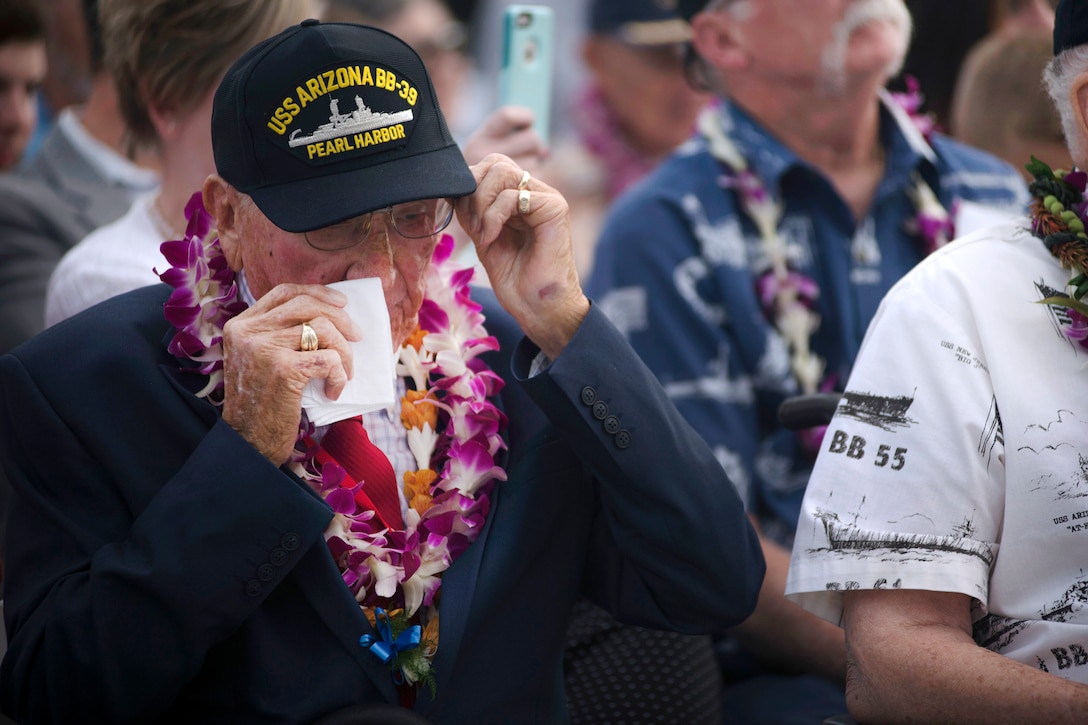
[429, 640]
[416, 410]
[369, 612]
[417, 489]
[416, 338]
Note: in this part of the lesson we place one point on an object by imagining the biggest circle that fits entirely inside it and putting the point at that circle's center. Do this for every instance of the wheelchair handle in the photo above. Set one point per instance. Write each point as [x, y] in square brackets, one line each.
[808, 411]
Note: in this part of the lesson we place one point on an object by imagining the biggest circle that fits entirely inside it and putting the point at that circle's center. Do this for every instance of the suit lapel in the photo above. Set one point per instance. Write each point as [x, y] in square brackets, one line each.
[342, 615]
[188, 384]
[458, 587]
[459, 590]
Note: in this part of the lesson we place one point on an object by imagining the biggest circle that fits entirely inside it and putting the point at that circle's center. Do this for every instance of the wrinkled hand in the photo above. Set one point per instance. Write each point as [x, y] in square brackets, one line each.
[507, 130]
[265, 371]
[528, 257]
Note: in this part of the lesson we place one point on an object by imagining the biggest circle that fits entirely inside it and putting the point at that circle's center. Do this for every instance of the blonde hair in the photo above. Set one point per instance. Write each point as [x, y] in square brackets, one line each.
[169, 55]
[1000, 93]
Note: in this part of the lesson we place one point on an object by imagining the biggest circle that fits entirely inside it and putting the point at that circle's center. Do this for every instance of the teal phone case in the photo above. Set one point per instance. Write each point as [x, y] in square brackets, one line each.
[525, 78]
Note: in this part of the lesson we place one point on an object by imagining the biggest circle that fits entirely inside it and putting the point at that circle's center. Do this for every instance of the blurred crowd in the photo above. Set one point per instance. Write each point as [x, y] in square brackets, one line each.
[105, 115]
[621, 104]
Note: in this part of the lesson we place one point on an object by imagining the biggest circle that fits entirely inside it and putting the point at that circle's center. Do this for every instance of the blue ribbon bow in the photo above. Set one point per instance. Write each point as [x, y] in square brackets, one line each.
[385, 647]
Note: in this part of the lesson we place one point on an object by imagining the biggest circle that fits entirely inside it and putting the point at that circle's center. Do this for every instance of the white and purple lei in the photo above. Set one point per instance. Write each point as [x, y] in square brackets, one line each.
[452, 428]
[788, 297]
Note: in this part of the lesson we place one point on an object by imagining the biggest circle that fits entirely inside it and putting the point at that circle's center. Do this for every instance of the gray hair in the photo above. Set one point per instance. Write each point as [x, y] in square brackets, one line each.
[1058, 79]
[700, 74]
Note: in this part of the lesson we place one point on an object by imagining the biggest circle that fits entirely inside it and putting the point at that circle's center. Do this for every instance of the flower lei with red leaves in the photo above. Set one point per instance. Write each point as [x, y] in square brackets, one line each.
[1059, 214]
[453, 431]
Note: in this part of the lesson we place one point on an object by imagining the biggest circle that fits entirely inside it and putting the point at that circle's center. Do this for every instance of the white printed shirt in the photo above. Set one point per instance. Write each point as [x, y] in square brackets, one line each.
[957, 459]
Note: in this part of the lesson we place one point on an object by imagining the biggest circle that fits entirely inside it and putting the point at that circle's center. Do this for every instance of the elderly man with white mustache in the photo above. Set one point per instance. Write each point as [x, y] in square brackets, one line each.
[746, 269]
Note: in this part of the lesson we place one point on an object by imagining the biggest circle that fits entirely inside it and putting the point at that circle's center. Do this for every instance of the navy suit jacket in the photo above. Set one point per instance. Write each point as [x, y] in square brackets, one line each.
[160, 569]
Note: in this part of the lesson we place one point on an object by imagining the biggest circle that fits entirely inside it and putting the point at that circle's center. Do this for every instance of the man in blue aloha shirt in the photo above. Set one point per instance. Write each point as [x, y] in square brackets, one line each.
[746, 269]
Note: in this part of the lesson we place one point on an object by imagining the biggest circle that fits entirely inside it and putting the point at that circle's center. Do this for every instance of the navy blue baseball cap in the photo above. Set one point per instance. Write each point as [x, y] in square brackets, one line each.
[328, 121]
[639, 22]
[1070, 25]
[688, 8]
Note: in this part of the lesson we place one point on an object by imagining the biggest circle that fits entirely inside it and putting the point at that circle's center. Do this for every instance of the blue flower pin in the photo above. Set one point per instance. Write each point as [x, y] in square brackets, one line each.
[387, 649]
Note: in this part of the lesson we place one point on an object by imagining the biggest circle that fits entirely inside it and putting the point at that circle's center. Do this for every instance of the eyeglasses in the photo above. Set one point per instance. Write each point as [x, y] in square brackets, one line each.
[412, 220]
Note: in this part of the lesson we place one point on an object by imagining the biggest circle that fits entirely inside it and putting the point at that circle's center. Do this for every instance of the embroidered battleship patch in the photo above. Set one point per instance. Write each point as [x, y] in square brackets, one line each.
[344, 112]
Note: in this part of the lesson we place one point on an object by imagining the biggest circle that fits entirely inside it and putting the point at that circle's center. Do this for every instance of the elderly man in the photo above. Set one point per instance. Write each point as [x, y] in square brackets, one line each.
[747, 266]
[630, 112]
[944, 523]
[211, 552]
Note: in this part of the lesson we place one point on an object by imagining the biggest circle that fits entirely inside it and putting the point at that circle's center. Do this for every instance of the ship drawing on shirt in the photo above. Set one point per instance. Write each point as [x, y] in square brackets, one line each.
[848, 538]
[996, 633]
[1076, 485]
[1058, 314]
[992, 435]
[1057, 443]
[344, 124]
[877, 410]
[1074, 599]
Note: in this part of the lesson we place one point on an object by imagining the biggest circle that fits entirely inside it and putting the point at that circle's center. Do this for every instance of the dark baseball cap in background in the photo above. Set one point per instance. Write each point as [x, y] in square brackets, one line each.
[1070, 25]
[639, 22]
[688, 8]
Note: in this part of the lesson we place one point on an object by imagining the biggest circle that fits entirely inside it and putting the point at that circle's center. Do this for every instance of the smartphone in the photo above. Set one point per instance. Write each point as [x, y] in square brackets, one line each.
[525, 78]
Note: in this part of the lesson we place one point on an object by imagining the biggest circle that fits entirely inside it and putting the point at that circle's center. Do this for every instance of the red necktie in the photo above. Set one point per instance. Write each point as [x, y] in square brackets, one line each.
[348, 443]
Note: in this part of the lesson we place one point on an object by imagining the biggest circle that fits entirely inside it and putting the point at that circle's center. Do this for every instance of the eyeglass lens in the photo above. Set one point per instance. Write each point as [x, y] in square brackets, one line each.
[413, 220]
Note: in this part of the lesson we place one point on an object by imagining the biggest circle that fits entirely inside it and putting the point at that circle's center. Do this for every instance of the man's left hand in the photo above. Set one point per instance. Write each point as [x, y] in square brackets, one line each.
[528, 256]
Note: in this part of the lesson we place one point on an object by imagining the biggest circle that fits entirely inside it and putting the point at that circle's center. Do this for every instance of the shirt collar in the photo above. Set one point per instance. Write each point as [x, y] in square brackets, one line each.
[111, 165]
[243, 289]
[905, 147]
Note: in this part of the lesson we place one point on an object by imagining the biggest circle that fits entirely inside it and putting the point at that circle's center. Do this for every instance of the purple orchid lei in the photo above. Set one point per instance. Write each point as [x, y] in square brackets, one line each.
[453, 431]
[932, 222]
[787, 296]
[205, 296]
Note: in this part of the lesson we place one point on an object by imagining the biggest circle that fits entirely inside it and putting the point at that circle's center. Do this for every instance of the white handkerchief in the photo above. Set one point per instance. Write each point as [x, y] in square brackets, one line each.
[372, 387]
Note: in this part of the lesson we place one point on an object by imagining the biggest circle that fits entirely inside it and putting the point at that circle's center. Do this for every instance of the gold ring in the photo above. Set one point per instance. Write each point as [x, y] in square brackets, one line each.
[523, 201]
[309, 341]
[524, 183]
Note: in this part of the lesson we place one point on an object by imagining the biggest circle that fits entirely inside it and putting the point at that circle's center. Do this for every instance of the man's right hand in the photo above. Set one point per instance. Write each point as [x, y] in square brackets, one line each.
[507, 130]
[265, 370]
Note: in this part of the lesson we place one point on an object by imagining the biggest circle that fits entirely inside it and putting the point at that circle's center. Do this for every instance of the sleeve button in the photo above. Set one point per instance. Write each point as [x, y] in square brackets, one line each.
[253, 588]
[612, 424]
[290, 541]
[265, 572]
[279, 557]
[589, 395]
[600, 410]
[623, 439]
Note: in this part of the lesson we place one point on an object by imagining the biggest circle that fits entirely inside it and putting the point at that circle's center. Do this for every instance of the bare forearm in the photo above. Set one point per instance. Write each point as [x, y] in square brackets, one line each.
[784, 634]
[907, 666]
